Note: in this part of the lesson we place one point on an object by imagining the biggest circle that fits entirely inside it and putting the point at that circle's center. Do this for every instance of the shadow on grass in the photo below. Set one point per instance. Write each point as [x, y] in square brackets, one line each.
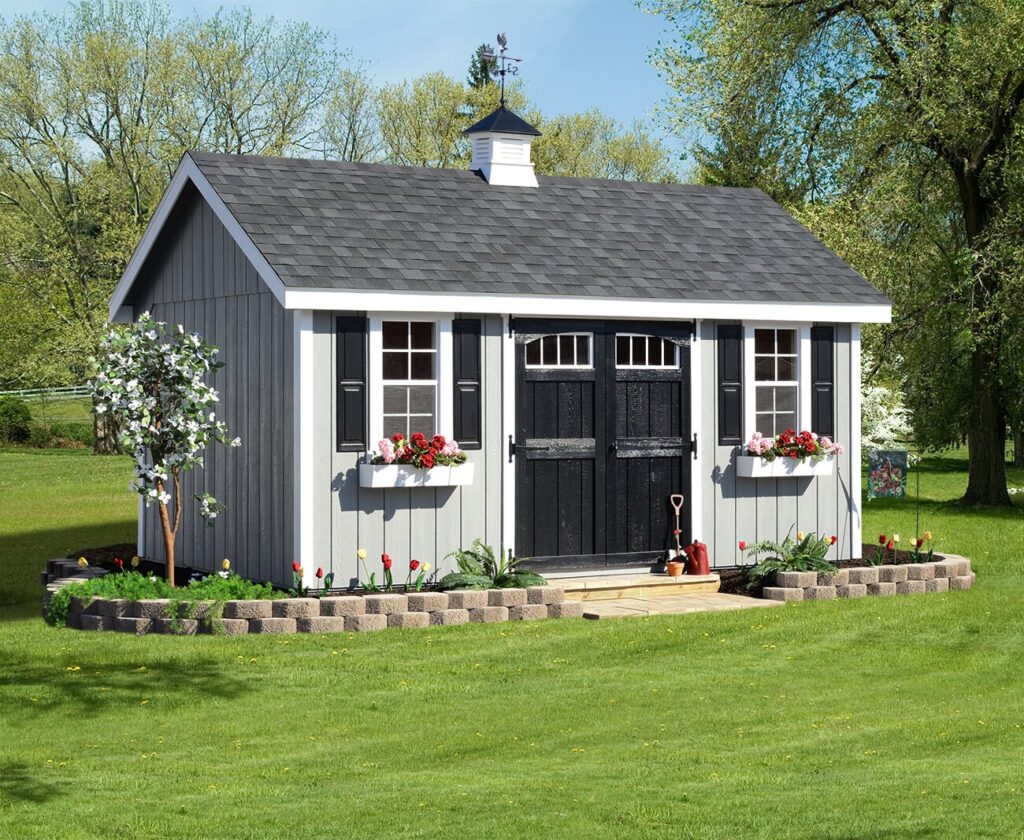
[97, 689]
[25, 554]
[18, 784]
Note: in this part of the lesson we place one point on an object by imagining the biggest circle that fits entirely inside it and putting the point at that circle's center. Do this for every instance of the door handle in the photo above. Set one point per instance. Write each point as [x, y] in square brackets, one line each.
[614, 447]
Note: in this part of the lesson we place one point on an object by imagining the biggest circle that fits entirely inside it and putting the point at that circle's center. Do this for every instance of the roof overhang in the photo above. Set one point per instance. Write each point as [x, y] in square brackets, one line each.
[189, 173]
[564, 306]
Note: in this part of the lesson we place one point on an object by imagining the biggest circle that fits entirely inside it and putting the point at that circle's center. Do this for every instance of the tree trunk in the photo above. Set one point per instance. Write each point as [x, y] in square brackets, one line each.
[1018, 444]
[165, 523]
[105, 432]
[986, 433]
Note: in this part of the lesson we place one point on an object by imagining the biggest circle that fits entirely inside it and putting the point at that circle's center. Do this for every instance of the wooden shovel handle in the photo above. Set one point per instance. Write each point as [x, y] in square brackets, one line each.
[677, 502]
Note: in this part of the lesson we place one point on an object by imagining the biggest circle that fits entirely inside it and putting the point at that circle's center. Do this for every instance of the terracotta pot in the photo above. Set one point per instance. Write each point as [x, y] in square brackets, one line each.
[674, 568]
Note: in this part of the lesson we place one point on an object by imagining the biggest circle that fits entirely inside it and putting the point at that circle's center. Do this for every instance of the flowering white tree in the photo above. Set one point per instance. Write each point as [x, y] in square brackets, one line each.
[150, 376]
[884, 419]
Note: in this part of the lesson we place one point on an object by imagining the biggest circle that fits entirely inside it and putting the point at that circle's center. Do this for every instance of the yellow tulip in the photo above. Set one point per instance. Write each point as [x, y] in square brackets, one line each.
[425, 567]
[361, 553]
[225, 564]
[927, 535]
[895, 538]
[135, 561]
[83, 562]
[799, 536]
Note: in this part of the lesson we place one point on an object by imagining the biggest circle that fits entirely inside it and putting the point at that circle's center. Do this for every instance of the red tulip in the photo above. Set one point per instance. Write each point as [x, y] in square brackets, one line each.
[386, 560]
[743, 545]
[118, 562]
[919, 542]
[296, 567]
[414, 565]
[320, 572]
[890, 545]
[881, 539]
[833, 539]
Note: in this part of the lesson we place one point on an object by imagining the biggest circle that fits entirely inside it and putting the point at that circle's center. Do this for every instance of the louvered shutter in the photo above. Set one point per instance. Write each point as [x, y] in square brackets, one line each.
[351, 383]
[730, 384]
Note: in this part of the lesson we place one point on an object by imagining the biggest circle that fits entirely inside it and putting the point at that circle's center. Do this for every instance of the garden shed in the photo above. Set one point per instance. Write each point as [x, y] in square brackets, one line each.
[593, 346]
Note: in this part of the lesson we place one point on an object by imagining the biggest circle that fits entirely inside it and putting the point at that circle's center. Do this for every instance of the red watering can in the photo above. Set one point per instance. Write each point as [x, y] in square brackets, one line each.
[697, 559]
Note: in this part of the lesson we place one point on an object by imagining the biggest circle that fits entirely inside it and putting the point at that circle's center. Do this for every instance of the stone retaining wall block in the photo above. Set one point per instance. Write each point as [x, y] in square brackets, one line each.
[130, 624]
[962, 567]
[882, 588]
[97, 622]
[366, 621]
[449, 617]
[73, 620]
[783, 593]
[960, 582]
[320, 624]
[156, 608]
[506, 597]
[488, 614]
[342, 605]
[386, 604]
[852, 590]
[545, 595]
[427, 601]
[528, 612]
[946, 568]
[195, 609]
[228, 627]
[467, 599]
[863, 574]
[272, 625]
[248, 609]
[937, 585]
[840, 577]
[892, 574]
[296, 608]
[409, 619]
[112, 607]
[567, 609]
[797, 580]
[820, 593]
[920, 571]
[176, 627]
[910, 587]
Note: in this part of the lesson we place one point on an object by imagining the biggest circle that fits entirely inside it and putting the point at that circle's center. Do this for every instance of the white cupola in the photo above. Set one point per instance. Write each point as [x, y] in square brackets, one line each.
[501, 149]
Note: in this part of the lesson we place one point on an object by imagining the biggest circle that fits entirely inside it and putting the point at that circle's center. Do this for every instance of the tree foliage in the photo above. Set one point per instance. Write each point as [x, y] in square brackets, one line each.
[894, 129]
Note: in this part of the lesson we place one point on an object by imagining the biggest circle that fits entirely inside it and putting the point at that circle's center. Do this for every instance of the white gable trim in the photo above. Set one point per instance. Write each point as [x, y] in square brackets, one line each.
[560, 306]
[188, 172]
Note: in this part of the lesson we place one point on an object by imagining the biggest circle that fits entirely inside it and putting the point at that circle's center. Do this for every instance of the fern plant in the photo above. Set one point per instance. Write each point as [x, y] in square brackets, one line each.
[805, 554]
[479, 567]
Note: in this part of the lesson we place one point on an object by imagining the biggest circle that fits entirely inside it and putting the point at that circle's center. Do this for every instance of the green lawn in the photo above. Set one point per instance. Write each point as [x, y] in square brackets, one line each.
[880, 718]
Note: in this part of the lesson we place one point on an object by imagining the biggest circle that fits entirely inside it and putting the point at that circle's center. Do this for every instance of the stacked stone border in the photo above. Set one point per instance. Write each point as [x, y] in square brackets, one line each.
[333, 614]
[951, 573]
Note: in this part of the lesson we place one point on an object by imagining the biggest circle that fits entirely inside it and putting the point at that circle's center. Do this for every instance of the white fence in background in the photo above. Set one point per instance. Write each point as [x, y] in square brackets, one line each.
[49, 393]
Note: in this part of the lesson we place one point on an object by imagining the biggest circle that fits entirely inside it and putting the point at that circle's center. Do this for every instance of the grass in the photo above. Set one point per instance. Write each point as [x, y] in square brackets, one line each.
[67, 409]
[882, 718]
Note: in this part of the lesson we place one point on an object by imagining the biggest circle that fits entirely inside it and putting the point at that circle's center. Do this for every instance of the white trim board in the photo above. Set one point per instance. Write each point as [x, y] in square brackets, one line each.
[565, 306]
[697, 427]
[304, 498]
[508, 428]
[186, 173]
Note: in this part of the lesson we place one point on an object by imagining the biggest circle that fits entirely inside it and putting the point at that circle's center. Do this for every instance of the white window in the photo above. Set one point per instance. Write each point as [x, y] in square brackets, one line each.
[776, 366]
[408, 387]
[645, 351]
[565, 350]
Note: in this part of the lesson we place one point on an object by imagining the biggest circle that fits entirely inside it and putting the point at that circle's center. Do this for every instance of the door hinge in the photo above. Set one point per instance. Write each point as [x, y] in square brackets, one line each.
[693, 446]
[511, 327]
[511, 448]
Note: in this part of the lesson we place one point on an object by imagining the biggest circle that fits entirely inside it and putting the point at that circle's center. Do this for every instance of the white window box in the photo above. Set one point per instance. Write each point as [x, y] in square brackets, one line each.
[752, 466]
[402, 475]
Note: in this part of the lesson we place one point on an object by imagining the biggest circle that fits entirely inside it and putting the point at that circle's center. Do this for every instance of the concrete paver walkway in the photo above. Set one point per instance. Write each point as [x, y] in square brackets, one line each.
[672, 605]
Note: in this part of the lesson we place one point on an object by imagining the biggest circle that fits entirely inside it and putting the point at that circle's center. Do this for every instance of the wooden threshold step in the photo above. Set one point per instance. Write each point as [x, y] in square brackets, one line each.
[608, 587]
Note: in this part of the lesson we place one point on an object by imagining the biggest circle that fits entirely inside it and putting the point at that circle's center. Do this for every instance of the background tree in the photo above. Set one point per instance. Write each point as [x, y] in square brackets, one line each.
[482, 70]
[917, 102]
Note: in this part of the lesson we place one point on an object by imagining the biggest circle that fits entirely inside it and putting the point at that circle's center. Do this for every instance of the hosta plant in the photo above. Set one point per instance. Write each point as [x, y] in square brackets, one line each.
[480, 568]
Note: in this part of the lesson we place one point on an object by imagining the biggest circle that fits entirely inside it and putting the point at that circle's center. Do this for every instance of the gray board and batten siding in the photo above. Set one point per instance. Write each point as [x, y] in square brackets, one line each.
[198, 277]
[425, 523]
[750, 509]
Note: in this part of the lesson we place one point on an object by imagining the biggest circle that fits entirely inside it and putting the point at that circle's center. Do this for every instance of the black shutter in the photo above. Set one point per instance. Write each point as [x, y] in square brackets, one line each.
[823, 340]
[466, 371]
[730, 384]
[351, 385]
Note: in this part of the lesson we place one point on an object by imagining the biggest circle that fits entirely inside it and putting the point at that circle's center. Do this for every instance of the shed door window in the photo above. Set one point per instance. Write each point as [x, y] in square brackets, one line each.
[409, 374]
[775, 380]
[645, 351]
[565, 350]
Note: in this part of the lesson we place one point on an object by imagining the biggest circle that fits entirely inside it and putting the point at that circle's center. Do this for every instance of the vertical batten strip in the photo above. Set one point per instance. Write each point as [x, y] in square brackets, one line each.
[302, 424]
[854, 453]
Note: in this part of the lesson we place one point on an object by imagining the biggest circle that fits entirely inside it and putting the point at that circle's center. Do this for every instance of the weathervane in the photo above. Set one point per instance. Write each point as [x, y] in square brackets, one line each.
[505, 68]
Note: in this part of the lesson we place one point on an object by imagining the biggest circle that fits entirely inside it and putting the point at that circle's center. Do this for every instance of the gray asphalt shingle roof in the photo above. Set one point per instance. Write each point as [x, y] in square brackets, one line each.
[324, 224]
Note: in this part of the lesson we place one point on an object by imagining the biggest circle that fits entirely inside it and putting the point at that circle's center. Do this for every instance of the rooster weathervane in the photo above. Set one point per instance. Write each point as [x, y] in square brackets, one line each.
[507, 64]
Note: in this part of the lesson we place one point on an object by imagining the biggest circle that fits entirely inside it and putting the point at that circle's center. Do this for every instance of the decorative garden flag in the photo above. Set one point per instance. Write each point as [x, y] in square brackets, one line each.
[887, 473]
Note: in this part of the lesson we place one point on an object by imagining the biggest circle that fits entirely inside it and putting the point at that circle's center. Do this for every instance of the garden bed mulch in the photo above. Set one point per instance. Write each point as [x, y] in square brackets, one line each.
[735, 580]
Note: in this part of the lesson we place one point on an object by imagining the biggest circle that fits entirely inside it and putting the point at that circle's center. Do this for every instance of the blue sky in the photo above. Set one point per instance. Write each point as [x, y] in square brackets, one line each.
[577, 54]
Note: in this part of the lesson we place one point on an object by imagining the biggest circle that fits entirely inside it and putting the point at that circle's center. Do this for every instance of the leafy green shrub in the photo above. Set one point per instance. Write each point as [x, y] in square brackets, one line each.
[15, 419]
[805, 554]
[479, 563]
[74, 432]
[136, 586]
[461, 580]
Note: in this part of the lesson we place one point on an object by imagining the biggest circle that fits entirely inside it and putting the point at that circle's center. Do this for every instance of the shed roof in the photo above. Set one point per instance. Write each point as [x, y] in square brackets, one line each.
[355, 226]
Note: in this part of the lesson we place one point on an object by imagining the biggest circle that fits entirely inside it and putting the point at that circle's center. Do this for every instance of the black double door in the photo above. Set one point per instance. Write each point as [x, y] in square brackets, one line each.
[602, 441]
